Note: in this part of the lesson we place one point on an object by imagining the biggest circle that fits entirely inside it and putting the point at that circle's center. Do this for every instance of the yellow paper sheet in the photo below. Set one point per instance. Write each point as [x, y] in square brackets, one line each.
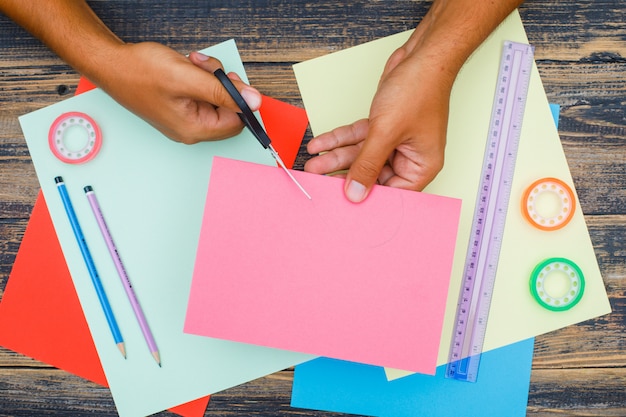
[337, 89]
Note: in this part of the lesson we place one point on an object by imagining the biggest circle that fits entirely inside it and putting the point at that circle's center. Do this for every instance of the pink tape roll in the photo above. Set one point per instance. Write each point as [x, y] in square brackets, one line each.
[58, 141]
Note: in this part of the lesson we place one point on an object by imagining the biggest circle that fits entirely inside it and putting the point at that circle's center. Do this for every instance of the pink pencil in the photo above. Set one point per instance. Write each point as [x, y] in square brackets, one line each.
[141, 318]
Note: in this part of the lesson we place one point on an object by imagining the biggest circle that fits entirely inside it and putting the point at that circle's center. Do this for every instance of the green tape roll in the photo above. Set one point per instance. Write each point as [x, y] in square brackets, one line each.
[541, 274]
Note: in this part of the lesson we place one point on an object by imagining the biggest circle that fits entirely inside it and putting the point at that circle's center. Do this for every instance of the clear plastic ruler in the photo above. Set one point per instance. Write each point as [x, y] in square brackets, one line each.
[490, 211]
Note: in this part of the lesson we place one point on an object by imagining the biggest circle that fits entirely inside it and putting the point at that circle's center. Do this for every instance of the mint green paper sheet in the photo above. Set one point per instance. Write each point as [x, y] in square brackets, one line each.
[337, 89]
[152, 192]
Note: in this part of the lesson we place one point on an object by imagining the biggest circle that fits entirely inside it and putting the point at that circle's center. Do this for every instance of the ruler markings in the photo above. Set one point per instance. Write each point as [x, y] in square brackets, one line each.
[490, 212]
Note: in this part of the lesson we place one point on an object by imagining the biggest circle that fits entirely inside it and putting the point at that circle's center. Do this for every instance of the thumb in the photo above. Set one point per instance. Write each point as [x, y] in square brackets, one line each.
[215, 93]
[365, 169]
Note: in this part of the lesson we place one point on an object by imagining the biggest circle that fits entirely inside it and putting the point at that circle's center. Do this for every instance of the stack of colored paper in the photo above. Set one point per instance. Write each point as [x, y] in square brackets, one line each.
[240, 275]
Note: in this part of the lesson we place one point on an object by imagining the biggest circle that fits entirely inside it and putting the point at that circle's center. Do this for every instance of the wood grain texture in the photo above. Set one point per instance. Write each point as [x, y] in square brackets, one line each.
[581, 56]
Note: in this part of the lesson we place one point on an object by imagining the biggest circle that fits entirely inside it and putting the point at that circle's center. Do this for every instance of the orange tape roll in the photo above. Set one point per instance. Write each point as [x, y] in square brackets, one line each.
[548, 204]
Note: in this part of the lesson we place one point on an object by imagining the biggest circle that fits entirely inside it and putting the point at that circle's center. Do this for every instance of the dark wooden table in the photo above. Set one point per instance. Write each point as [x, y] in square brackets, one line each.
[581, 54]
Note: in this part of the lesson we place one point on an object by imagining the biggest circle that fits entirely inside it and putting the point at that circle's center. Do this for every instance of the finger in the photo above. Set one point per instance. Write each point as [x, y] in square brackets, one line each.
[417, 183]
[213, 91]
[202, 122]
[399, 182]
[341, 136]
[234, 76]
[385, 175]
[251, 95]
[337, 160]
[412, 172]
[367, 166]
[218, 123]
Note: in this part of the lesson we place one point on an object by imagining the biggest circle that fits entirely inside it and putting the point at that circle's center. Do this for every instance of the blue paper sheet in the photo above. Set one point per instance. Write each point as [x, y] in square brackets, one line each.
[348, 387]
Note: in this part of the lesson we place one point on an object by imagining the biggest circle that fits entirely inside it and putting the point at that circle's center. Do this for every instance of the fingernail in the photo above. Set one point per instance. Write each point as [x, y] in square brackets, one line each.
[252, 97]
[201, 56]
[355, 192]
[234, 76]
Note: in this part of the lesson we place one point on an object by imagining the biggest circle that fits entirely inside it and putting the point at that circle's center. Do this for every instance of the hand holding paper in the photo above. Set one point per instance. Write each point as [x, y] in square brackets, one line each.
[403, 144]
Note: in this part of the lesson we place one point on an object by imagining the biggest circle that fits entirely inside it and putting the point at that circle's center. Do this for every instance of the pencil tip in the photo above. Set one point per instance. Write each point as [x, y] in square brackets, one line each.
[122, 349]
[157, 358]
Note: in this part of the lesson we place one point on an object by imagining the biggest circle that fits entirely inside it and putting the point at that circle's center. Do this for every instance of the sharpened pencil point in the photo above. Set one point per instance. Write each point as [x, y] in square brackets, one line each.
[122, 349]
[157, 358]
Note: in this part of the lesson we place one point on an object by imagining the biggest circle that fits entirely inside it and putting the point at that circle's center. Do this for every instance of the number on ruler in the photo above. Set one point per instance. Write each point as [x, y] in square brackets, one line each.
[490, 211]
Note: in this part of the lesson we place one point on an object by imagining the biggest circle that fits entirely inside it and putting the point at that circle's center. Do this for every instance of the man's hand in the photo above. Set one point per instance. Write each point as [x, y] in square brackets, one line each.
[402, 142]
[179, 96]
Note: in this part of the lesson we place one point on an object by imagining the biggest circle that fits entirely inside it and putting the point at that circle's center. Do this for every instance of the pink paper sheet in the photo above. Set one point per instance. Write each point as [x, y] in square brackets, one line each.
[366, 283]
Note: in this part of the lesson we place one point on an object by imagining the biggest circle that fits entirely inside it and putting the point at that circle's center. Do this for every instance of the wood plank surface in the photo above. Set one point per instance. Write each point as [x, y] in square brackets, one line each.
[581, 56]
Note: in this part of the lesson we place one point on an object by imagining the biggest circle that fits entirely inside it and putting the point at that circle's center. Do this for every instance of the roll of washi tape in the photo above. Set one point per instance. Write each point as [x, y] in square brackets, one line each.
[74, 138]
[548, 204]
[557, 269]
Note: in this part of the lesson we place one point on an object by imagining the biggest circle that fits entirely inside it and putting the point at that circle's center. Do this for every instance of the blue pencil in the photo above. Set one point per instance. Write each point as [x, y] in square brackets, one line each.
[95, 278]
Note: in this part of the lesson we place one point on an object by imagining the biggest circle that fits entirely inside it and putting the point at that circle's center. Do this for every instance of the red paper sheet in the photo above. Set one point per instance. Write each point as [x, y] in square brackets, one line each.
[40, 314]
